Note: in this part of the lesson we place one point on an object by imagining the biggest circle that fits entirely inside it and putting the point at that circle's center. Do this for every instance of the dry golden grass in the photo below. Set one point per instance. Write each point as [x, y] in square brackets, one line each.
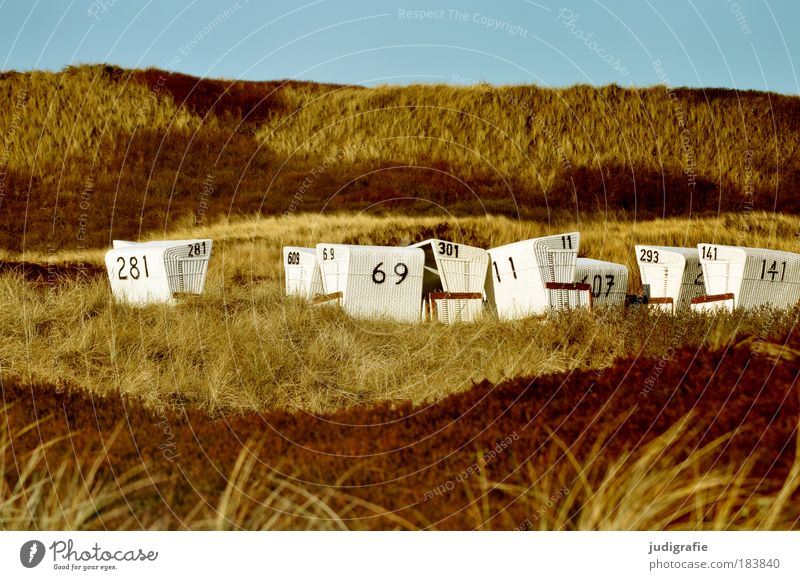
[96, 152]
[69, 495]
[51, 118]
[535, 134]
[658, 487]
[138, 147]
[257, 242]
[666, 485]
[244, 346]
[250, 247]
[529, 132]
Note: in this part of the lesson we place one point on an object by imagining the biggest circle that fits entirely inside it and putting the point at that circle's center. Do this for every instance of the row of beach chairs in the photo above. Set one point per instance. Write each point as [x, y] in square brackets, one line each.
[452, 282]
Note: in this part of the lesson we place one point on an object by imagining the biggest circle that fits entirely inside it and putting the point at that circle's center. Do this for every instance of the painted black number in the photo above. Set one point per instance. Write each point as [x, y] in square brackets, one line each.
[649, 256]
[120, 274]
[197, 249]
[773, 270]
[293, 258]
[134, 271]
[566, 242]
[609, 283]
[698, 280]
[133, 268]
[401, 270]
[448, 249]
[597, 284]
[513, 270]
[708, 253]
[378, 275]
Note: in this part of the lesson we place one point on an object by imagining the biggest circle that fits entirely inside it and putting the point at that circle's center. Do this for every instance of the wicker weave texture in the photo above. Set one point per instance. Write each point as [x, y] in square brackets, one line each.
[671, 272]
[556, 256]
[608, 280]
[301, 272]
[755, 276]
[187, 266]
[376, 282]
[518, 272]
[459, 310]
[154, 272]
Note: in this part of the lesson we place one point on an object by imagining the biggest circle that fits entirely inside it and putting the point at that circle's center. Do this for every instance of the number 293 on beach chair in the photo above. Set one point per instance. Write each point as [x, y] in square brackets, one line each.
[673, 274]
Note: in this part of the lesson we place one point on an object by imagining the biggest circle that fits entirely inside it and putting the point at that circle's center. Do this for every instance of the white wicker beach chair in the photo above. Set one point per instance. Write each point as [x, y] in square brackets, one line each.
[608, 281]
[519, 275]
[157, 272]
[673, 274]
[738, 277]
[302, 274]
[453, 281]
[376, 282]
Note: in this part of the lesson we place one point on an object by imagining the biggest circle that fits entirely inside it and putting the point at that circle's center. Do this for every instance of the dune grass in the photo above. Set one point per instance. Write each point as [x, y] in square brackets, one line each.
[69, 494]
[244, 346]
[665, 485]
[537, 134]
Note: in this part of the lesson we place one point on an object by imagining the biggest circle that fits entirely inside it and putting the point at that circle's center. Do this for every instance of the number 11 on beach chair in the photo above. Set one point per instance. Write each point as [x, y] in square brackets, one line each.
[533, 277]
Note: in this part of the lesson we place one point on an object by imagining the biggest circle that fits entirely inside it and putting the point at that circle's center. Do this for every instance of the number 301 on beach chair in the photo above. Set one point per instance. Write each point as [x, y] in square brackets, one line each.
[453, 280]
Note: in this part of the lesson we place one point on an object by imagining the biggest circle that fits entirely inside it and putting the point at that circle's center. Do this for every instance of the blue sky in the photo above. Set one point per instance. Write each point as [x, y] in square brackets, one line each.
[743, 44]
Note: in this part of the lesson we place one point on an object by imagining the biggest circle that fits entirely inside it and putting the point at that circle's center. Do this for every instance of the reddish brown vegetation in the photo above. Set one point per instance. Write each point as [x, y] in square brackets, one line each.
[393, 457]
[51, 274]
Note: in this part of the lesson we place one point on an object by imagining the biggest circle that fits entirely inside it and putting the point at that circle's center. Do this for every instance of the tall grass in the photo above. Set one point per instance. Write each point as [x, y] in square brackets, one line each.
[535, 134]
[70, 494]
[660, 486]
[668, 484]
[244, 346]
[51, 118]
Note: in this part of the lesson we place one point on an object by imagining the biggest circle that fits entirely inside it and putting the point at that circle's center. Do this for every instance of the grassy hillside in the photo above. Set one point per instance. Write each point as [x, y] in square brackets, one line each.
[96, 152]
